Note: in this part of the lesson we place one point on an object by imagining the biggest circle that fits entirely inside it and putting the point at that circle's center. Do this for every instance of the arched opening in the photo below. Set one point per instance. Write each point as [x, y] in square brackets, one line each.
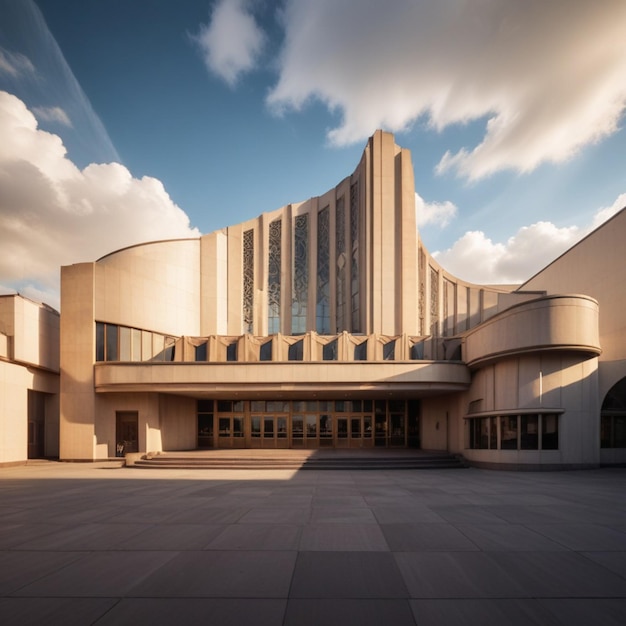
[613, 417]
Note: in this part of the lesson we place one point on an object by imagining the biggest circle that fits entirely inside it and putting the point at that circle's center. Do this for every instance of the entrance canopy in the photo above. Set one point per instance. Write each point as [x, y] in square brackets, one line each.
[271, 380]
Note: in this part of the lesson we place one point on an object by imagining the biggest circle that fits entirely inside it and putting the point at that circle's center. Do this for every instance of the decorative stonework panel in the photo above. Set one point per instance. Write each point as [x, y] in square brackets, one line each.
[248, 280]
[354, 272]
[323, 272]
[300, 286]
[273, 277]
[434, 302]
[341, 261]
[422, 293]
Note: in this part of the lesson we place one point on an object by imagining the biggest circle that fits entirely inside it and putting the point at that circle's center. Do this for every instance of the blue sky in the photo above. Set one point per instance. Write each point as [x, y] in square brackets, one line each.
[127, 121]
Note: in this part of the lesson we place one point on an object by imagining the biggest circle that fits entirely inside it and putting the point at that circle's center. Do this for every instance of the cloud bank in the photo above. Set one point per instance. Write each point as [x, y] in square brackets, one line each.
[232, 41]
[476, 258]
[52, 213]
[434, 213]
[548, 77]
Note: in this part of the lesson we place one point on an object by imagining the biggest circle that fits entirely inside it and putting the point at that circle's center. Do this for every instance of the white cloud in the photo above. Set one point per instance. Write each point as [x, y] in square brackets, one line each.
[14, 63]
[476, 258]
[603, 214]
[52, 114]
[436, 213]
[52, 213]
[548, 76]
[232, 41]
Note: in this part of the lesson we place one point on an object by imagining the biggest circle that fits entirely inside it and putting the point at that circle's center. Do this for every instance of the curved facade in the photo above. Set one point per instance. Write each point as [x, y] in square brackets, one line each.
[325, 323]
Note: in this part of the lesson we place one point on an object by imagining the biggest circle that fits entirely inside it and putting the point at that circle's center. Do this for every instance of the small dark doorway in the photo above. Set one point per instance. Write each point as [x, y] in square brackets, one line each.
[36, 424]
[413, 423]
[126, 432]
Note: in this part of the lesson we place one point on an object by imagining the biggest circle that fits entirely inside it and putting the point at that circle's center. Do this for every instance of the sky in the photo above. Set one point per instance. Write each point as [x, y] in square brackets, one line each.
[130, 121]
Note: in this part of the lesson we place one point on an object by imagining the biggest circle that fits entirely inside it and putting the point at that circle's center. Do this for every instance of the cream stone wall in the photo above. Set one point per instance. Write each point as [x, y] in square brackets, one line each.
[78, 414]
[29, 360]
[14, 381]
[558, 382]
[546, 323]
[147, 406]
[596, 266]
[178, 423]
[266, 379]
[153, 286]
[436, 422]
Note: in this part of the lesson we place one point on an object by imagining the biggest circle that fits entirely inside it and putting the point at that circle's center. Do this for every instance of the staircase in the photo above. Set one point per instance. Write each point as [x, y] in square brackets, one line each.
[371, 459]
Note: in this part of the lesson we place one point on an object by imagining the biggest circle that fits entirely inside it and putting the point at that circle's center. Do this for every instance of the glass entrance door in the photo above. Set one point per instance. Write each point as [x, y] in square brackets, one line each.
[268, 431]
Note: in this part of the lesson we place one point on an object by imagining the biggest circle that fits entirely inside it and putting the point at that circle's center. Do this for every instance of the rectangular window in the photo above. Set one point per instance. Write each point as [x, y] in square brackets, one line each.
[417, 351]
[281, 427]
[355, 427]
[224, 426]
[237, 426]
[606, 425]
[99, 341]
[170, 346]
[493, 433]
[255, 426]
[367, 426]
[360, 351]
[296, 351]
[613, 431]
[231, 352]
[125, 345]
[529, 432]
[311, 426]
[201, 352]
[549, 432]
[111, 342]
[277, 406]
[342, 428]
[389, 350]
[329, 351]
[265, 351]
[508, 432]
[297, 427]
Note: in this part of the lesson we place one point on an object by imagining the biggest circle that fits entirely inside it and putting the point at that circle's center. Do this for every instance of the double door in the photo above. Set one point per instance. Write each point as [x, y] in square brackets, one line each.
[269, 431]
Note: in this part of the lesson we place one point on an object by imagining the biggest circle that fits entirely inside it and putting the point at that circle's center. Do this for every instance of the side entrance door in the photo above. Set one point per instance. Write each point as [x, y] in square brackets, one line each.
[126, 432]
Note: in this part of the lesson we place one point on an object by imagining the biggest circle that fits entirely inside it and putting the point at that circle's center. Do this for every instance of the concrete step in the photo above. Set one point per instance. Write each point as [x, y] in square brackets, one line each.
[306, 461]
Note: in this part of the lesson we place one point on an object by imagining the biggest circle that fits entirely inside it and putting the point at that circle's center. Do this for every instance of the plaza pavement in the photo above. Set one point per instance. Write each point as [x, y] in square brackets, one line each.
[106, 545]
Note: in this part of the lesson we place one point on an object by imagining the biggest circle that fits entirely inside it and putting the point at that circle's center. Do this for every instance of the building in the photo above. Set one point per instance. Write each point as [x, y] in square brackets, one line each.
[327, 323]
[29, 380]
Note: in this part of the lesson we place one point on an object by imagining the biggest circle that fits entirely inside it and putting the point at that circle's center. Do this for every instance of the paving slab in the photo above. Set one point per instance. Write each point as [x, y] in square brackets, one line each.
[104, 544]
[214, 611]
[347, 575]
[341, 612]
[222, 574]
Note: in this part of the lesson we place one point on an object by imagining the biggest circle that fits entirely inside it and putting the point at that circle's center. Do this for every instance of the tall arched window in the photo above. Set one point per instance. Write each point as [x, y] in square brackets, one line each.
[613, 417]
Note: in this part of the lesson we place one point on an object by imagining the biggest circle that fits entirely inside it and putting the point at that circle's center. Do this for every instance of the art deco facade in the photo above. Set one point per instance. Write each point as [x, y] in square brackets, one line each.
[327, 323]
